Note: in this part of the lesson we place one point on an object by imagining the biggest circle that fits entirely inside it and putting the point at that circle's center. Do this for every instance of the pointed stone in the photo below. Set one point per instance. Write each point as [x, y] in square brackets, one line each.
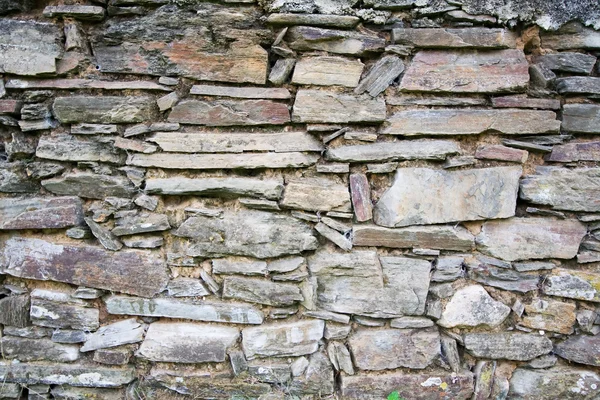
[472, 306]
[401, 150]
[321, 106]
[281, 71]
[104, 236]
[290, 339]
[381, 75]
[334, 236]
[230, 112]
[361, 197]
[431, 237]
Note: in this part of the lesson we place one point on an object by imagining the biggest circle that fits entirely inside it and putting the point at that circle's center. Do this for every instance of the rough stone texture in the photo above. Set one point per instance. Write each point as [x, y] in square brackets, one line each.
[327, 71]
[388, 151]
[523, 238]
[282, 339]
[472, 306]
[320, 106]
[568, 62]
[336, 21]
[14, 311]
[501, 153]
[381, 75]
[89, 185]
[557, 382]
[578, 85]
[69, 148]
[242, 92]
[316, 195]
[67, 84]
[453, 196]
[40, 213]
[581, 118]
[509, 346]
[570, 152]
[261, 291]
[230, 112]
[549, 315]
[307, 38]
[103, 109]
[37, 349]
[563, 189]
[455, 38]
[501, 71]
[430, 237]
[574, 284]
[55, 314]
[571, 36]
[116, 334]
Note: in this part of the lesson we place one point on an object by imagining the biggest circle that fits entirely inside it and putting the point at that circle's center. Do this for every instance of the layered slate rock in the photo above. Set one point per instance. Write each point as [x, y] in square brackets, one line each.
[421, 196]
[69, 148]
[471, 122]
[308, 38]
[327, 71]
[581, 118]
[394, 348]
[241, 92]
[419, 386]
[68, 84]
[188, 342]
[336, 21]
[104, 109]
[29, 47]
[577, 63]
[252, 233]
[472, 306]
[553, 383]
[64, 314]
[235, 142]
[230, 112]
[316, 194]
[527, 238]
[392, 151]
[15, 311]
[66, 374]
[289, 339]
[381, 75]
[25, 349]
[261, 291]
[129, 271]
[573, 284]
[40, 213]
[428, 237]
[570, 152]
[578, 85]
[116, 334]
[208, 311]
[363, 283]
[499, 71]
[508, 346]
[158, 44]
[464, 38]
[320, 106]
[218, 187]
[563, 189]
[571, 36]
[549, 315]
[581, 349]
[90, 185]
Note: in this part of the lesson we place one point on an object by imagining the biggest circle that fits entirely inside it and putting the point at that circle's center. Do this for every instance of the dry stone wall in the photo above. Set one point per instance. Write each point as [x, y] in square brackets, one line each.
[315, 199]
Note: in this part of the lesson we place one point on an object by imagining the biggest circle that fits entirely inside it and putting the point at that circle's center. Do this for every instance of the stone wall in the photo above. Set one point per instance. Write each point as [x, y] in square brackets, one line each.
[314, 199]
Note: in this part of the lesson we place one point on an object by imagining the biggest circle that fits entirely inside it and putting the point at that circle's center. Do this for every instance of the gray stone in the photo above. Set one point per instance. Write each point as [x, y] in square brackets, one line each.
[53, 314]
[549, 315]
[30, 332]
[40, 213]
[281, 71]
[243, 266]
[318, 379]
[464, 38]
[381, 75]
[270, 371]
[453, 196]
[450, 352]
[29, 47]
[188, 342]
[498, 71]
[103, 109]
[577, 63]
[400, 150]
[168, 101]
[411, 322]
[334, 21]
[37, 349]
[547, 361]
[246, 233]
[571, 36]
[226, 186]
[328, 316]
[128, 271]
[230, 112]
[472, 306]
[563, 189]
[321, 106]
[471, 122]
[509, 346]
[260, 204]
[527, 238]
[327, 71]
[134, 145]
[14, 311]
[447, 269]
[581, 118]
[334, 236]
[113, 356]
[461, 16]
[90, 185]
[533, 266]
[336, 331]
[186, 287]
[81, 12]
[554, 383]
[68, 336]
[578, 85]
[572, 152]
[208, 311]
[141, 223]
[290, 339]
[261, 291]
[142, 241]
[542, 78]
[361, 283]
[307, 38]
[431, 237]
[573, 284]
[503, 278]
[340, 357]
[241, 92]
[520, 101]
[104, 236]
[286, 264]
[115, 334]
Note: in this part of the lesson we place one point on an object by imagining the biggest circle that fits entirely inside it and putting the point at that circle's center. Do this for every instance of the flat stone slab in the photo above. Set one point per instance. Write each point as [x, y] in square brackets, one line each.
[507, 346]
[253, 233]
[418, 386]
[223, 142]
[81, 12]
[549, 315]
[578, 85]
[90, 185]
[327, 71]
[581, 349]
[308, 38]
[218, 187]
[571, 36]
[394, 348]
[29, 47]
[25, 349]
[241, 92]
[335, 21]
[471, 122]
[392, 151]
[261, 291]
[571, 152]
[208, 311]
[322, 106]
[472, 306]
[317, 194]
[116, 334]
[573, 284]
[73, 84]
[427, 237]
[498, 71]
[527, 238]
[69, 148]
[422, 196]
[230, 112]
[362, 283]
[104, 109]
[564, 189]
[136, 272]
[289, 339]
[187, 342]
[577, 63]
[464, 38]
[581, 118]
[40, 213]
[562, 382]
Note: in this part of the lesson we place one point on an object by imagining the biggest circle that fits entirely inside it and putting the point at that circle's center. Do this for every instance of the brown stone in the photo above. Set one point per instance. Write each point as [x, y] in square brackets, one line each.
[10, 106]
[327, 71]
[40, 213]
[230, 112]
[307, 38]
[429, 237]
[519, 101]
[316, 194]
[69, 84]
[501, 153]
[241, 92]
[549, 315]
[572, 152]
[361, 197]
[321, 106]
[103, 109]
[464, 38]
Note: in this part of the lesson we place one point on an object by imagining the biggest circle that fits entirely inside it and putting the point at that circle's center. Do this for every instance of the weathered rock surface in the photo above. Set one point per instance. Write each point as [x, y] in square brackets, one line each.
[82, 12]
[90, 185]
[503, 278]
[243, 266]
[261, 291]
[391, 151]
[68, 84]
[578, 85]
[316, 194]
[116, 334]
[37, 349]
[577, 63]
[381, 75]
[549, 315]
[103, 109]
[464, 38]
[553, 383]
[230, 112]
[241, 92]
[14, 311]
[393, 348]
[509, 346]
[501, 153]
[188, 342]
[563, 189]
[421, 196]
[581, 118]
[289, 339]
[40, 213]
[364, 284]
[104, 236]
[327, 71]
[69, 148]
[472, 306]
[527, 238]
[141, 223]
[225, 187]
[321, 106]
[581, 349]
[499, 71]
[570, 152]
[336, 21]
[208, 311]
[471, 122]
[428, 237]
[573, 284]
[57, 314]
[251, 233]
[129, 271]
[307, 38]
[318, 378]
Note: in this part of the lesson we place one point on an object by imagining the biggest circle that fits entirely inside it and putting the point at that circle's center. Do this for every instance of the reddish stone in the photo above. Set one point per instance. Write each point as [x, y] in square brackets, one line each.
[230, 112]
[361, 197]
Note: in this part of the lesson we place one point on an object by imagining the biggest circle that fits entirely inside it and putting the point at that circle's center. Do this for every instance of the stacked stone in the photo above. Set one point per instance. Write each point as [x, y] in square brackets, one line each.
[314, 199]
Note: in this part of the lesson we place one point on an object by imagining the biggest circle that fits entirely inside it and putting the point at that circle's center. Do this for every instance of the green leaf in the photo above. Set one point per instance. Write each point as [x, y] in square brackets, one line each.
[394, 396]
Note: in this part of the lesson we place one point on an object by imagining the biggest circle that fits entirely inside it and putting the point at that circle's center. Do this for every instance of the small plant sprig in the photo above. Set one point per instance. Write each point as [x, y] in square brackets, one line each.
[395, 396]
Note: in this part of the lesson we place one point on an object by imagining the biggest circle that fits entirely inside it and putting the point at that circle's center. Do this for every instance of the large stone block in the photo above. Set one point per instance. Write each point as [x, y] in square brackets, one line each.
[392, 151]
[288, 339]
[472, 306]
[90, 185]
[573, 284]
[581, 118]
[217, 187]
[69, 148]
[261, 291]
[40, 213]
[423, 237]
[464, 38]
[327, 71]
[308, 38]
[316, 195]
[24, 349]
[321, 106]
[570, 152]
[508, 346]
[560, 382]
[230, 112]
[104, 109]
[422, 196]
[571, 36]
